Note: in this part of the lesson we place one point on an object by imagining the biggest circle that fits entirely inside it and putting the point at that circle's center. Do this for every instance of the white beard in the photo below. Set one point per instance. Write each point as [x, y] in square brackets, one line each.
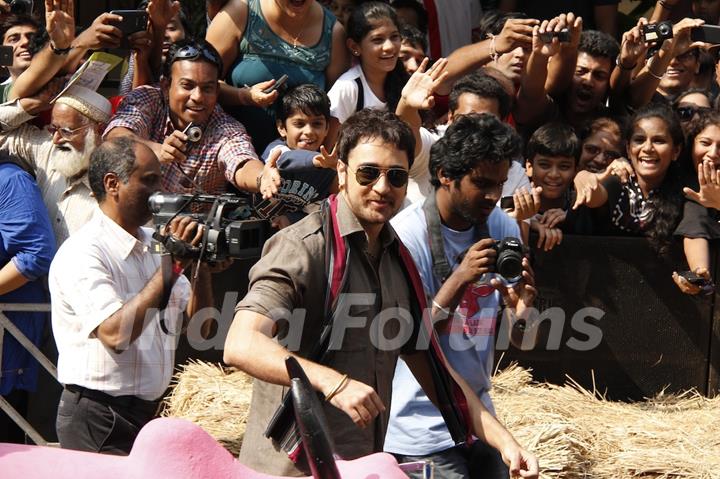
[69, 161]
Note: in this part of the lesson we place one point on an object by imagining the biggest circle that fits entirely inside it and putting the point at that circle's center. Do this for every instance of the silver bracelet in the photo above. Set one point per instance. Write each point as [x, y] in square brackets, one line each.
[445, 311]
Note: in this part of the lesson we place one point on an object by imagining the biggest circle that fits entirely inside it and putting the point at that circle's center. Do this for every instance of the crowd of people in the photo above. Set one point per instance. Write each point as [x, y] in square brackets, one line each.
[391, 146]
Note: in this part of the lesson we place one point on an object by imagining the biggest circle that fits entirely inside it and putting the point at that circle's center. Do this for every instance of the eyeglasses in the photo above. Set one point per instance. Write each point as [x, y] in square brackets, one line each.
[192, 52]
[67, 133]
[367, 175]
[594, 151]
[687, 113]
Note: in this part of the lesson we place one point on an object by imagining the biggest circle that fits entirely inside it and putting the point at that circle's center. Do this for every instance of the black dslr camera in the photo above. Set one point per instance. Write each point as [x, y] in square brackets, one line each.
[232, 228]
[657, 32]
[510, 253]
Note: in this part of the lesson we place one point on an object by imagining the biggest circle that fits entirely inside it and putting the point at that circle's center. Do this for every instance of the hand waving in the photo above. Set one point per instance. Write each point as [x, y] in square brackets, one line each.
[60, 22]
[418, 91]
[709, 180]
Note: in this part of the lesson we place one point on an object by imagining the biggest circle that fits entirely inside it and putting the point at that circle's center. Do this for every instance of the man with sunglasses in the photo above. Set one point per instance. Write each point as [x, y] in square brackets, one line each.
[371, 324]
[451, 238]
[162, 116]
[60, 153]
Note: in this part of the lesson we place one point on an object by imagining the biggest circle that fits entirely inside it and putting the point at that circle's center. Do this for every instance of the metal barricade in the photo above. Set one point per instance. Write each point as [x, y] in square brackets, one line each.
[7, 325]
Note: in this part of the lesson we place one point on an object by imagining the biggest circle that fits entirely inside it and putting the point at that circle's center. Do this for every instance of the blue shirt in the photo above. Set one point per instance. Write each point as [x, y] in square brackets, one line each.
[302, 183]
[26, 239]
[416, 426]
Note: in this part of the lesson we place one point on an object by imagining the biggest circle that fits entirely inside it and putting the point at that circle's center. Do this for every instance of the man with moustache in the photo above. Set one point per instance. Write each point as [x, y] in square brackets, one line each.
[61, 153]
[116, 346]
[159, 117]
[451, 237]
[375, 150]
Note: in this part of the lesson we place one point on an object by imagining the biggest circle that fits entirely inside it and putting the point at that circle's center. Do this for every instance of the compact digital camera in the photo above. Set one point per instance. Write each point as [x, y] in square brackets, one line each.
[657, 32]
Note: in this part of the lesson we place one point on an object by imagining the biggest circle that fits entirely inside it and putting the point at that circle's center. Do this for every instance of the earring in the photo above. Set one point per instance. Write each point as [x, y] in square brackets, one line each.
[356, 53]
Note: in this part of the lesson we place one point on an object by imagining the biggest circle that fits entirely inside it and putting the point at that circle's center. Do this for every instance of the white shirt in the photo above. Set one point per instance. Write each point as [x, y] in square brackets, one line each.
[94, 273]
[344, 95]
[70, 204]
[456, 20]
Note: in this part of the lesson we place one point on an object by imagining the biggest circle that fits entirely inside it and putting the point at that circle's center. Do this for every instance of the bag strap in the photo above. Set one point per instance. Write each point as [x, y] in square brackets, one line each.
[440, 266]
[360, 103]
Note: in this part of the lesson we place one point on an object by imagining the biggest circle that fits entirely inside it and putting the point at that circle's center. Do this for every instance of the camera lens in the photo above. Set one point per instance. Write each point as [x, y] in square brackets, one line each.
[509, 265]
[194, 134]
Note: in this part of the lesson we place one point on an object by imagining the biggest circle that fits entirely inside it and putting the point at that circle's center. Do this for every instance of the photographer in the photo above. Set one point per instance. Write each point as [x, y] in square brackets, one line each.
[452, 235]
[669, 71]
[163, 118]
[116, 345]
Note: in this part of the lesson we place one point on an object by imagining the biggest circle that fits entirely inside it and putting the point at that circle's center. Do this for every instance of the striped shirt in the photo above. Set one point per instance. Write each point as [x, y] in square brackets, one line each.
[94, 273]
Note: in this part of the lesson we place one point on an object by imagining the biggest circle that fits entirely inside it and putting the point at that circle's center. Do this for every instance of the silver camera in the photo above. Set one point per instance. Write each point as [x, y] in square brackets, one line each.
[193, 132]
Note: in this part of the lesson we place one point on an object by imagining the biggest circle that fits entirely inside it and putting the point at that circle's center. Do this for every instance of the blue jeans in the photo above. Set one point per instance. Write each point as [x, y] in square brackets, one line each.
[478, 461]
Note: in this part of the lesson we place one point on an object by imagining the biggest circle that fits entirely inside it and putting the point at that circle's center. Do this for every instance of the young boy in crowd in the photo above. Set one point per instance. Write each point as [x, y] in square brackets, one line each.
[303, 118]
[413, 48]
[552, 156]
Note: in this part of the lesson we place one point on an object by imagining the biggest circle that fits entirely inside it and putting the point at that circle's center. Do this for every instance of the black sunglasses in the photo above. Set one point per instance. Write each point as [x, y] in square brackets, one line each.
[688, 112]
[192, 52]
[367, 175]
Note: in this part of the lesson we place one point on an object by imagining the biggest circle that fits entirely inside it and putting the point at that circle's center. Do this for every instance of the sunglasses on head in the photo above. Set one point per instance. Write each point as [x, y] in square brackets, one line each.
[192, 52]
[688, 112]
[367, 175]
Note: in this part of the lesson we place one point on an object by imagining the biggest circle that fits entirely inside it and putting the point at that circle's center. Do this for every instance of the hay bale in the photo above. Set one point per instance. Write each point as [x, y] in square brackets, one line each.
[215, 398]
[577, 433]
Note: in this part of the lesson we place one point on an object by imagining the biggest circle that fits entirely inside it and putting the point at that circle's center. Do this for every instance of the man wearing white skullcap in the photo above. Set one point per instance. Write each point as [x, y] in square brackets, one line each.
[60, 154]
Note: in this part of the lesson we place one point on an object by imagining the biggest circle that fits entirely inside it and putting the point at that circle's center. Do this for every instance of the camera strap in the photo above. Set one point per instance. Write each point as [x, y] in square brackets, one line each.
[441, 266]
[166, 268]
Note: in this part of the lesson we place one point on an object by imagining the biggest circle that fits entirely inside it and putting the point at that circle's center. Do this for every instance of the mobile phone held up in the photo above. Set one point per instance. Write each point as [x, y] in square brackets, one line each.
[6, 56]
[132, 21]
[278, 85]
[706, 33]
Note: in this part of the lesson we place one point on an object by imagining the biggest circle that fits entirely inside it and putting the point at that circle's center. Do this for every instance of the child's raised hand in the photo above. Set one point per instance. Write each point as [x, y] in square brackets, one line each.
[418, 91]
[325, 159]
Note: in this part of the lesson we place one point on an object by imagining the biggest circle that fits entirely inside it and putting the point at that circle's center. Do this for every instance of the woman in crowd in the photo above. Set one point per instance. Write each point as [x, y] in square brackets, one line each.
[262, 40]
[699, 225]
[377, 80]
[602, 143]
[650, 202]
[690, 103]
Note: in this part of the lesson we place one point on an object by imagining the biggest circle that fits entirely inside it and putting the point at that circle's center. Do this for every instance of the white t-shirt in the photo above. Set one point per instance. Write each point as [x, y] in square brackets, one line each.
[456, 19]
[344, 95]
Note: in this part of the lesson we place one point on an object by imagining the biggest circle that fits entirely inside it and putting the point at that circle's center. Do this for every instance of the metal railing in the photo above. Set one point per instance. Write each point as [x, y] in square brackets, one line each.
[7, 325]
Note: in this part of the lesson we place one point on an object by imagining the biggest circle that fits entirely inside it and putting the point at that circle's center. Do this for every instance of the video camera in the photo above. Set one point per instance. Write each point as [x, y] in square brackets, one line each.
[232, 228]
